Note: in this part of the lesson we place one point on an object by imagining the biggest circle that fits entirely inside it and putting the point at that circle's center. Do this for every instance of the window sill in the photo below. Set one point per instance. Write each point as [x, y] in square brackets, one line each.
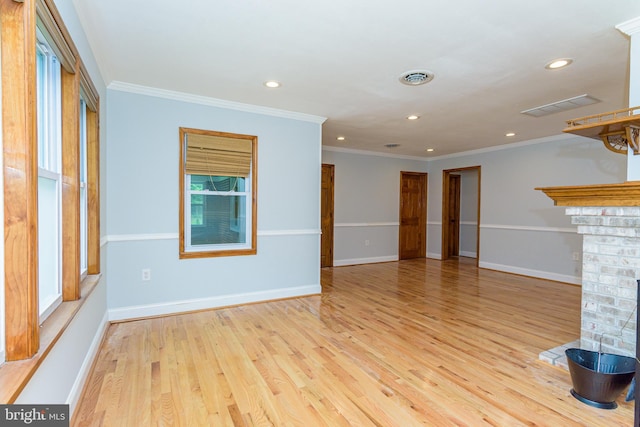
[14, 376]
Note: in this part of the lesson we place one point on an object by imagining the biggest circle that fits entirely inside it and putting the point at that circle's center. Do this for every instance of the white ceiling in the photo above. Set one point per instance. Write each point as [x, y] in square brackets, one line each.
[341, 59]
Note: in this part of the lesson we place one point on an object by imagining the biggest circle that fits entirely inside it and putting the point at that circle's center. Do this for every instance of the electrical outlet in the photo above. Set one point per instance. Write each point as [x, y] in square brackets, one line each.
[146, 274]
[367, 242]
[576, 256]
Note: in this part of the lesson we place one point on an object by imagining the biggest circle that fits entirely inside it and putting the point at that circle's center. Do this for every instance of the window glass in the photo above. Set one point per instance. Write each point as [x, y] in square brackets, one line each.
[49, 123]
[218, 206]
[41, 86]
[83, 187]
[48, 245]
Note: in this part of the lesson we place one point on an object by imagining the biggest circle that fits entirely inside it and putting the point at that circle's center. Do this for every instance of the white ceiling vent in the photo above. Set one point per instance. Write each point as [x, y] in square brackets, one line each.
[564, 105]
[416, 77]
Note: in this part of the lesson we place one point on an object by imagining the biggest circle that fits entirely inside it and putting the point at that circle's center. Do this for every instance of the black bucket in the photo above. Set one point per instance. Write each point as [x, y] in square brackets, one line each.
[599, 378]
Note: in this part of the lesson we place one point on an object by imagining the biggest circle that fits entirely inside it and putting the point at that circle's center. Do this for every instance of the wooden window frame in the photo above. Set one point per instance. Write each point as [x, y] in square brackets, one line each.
[70, 186]
[27, 341]
[92, 124]
[252, 250]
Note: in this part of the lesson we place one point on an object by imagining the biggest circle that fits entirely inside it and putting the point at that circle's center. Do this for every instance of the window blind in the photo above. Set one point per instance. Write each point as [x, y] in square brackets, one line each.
[216, 155]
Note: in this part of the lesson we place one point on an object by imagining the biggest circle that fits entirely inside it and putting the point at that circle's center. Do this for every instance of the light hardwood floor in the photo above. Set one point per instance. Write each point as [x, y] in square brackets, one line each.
[417, 342]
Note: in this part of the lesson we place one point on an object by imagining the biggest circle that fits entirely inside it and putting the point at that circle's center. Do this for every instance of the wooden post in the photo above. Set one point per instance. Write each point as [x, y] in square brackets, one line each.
[70, 185]
[20, 169]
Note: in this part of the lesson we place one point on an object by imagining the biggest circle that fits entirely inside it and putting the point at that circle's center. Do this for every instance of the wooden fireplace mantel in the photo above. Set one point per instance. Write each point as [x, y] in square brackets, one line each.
[622, 194]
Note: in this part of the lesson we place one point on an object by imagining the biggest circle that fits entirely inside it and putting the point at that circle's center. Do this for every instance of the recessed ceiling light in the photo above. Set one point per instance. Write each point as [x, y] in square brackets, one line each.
[510, 134]
[430, 150]
[340, 138]
[558, 63]
[272, 84]
[413, 117]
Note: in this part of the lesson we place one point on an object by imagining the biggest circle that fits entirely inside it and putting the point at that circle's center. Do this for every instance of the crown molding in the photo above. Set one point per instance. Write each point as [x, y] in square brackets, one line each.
[630, 27]
[501, 147]
[212, 102]
[372, 153]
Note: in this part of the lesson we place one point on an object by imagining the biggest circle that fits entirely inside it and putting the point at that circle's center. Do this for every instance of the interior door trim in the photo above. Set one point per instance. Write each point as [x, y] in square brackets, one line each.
[445, 210]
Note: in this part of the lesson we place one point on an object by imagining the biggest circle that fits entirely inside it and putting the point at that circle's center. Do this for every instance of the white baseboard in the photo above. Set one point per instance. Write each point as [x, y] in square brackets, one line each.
[356, 261]
[434, 255]
[469, 254]
[149, 310]
[532, 273]
[83, 374]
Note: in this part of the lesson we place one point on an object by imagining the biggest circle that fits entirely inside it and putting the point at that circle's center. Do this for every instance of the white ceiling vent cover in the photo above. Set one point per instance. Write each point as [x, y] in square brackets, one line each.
[564, 105]
[416, 77]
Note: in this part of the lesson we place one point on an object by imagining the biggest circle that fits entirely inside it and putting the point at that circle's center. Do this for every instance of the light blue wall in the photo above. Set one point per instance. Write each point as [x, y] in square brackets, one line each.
[468, 213]
[521, 230]
[366, 205]
[142, 212]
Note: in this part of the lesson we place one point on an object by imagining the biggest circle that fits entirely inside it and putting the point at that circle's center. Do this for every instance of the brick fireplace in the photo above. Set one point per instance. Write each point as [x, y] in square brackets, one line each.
[608, 217]
[610, 268]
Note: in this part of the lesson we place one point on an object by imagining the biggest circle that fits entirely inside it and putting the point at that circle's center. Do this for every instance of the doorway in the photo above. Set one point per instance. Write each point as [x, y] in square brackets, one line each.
[326, 216]
[413, 215]
[453, 217]
[456, 199]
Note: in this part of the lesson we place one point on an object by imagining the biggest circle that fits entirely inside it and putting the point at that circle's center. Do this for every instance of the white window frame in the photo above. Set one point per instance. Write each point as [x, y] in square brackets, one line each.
[49, 162]
[246, 207]
[84, 202]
